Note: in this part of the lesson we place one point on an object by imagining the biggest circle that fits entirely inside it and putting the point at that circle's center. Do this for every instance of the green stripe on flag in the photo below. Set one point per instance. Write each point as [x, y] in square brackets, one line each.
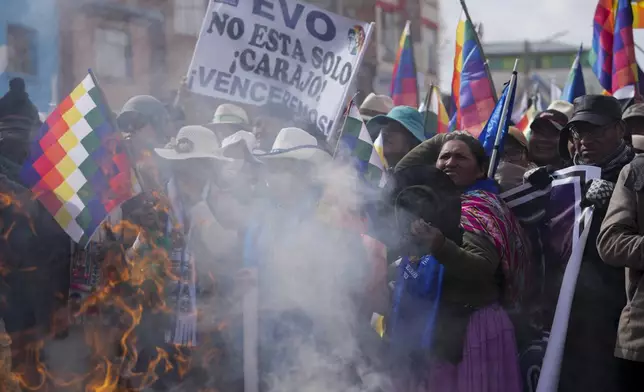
[352, 126]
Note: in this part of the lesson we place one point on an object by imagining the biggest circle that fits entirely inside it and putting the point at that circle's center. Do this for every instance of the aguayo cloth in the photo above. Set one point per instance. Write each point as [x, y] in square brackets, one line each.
[183, 291]
[484, 213]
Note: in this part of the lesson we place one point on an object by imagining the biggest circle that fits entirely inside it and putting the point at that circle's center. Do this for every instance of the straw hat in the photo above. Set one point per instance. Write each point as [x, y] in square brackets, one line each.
[228, 113]
[295, 143]
[374, 105]
[193, 141]
[518, 136]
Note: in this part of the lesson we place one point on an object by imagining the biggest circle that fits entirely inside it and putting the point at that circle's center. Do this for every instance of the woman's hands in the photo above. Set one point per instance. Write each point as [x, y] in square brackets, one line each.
[427, 234]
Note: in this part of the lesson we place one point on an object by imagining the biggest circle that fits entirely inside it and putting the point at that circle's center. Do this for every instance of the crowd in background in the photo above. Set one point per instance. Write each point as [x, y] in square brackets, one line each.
[218, 197]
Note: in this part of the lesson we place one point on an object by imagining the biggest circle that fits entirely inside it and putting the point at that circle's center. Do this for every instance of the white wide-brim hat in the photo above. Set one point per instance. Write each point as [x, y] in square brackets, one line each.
[295, 143]
[243, 139]
[193, 141]
[228, 113]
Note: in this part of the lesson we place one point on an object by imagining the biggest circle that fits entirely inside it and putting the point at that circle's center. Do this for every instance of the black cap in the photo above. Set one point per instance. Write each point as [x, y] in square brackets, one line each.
[552, 117]
[596, 109]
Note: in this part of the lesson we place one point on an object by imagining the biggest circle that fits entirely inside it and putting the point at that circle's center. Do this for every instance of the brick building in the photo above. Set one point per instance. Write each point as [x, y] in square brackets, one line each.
[29, 48]
[123, 42]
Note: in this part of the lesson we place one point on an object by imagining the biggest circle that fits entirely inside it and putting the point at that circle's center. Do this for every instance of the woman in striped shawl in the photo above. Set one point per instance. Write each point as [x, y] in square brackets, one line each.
[474, 340]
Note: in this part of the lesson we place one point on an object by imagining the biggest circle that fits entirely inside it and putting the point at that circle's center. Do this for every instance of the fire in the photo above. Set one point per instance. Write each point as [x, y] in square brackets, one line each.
[129, 285]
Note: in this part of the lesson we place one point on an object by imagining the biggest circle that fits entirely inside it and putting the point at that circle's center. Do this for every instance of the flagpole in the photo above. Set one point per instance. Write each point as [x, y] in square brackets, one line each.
[478, 42]
[504, 114]
[428, 101]
[347, 110]
[365, 45]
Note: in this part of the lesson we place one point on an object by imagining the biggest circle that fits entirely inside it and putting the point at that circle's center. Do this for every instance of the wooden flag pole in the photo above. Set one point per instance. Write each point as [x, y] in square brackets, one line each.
[428, 101]
[347, 110]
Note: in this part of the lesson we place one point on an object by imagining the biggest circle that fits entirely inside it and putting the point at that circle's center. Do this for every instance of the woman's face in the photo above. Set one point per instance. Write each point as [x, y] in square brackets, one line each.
[459, 163]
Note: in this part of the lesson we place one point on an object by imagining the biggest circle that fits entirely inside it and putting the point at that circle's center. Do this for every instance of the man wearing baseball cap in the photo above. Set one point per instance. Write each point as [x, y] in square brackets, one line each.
[543, 136]
[597, 131]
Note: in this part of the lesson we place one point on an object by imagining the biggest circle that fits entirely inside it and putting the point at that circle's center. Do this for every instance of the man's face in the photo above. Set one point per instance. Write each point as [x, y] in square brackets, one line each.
[635, 125]
[396, 142]
[543, 144]
[596, 143]
[514, 152]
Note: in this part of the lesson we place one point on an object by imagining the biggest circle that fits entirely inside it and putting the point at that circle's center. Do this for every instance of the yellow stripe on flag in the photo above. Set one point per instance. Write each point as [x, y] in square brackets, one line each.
[638, 14]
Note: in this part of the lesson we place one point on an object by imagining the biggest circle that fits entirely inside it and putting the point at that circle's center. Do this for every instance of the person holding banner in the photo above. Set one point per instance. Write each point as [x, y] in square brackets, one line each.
[597, 131]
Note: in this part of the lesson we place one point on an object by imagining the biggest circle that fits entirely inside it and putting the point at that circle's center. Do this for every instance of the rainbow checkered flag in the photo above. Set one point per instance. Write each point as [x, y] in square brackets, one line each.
[360, 146]
[77, 166]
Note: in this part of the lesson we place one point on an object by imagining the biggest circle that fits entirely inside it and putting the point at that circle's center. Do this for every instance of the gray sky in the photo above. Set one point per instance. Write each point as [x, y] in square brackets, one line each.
[518, 20]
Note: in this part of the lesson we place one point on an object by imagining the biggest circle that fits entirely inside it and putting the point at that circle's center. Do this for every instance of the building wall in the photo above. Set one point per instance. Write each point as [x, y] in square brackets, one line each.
[549, 66]
[121, 41]
[391, 16]
[34, 23]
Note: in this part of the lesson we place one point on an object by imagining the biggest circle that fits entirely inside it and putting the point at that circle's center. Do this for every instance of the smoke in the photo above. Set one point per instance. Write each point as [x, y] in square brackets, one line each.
[315, 285]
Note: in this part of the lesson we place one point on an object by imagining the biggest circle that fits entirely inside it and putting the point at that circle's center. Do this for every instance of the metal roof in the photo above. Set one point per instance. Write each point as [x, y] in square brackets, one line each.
[515, 47]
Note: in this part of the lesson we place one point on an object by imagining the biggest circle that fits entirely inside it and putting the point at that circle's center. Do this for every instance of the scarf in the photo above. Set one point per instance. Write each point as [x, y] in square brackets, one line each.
[484, 213]
[183, 291]
[613, 164]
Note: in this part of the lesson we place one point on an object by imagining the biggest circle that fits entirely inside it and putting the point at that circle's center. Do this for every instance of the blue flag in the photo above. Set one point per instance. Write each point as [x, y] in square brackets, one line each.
[488, 135]
[575, 86]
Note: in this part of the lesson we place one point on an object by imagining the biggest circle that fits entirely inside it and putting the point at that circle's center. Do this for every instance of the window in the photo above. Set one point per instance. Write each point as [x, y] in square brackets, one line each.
[430, 41]
[113, 53]
[21, 50]
[188, 16]
[392, 28]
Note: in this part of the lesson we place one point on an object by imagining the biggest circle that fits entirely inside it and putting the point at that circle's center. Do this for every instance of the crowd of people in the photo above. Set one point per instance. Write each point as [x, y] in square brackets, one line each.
[459, 282]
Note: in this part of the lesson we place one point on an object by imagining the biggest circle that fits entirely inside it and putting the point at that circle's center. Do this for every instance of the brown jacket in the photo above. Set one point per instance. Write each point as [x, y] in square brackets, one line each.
[621, 244]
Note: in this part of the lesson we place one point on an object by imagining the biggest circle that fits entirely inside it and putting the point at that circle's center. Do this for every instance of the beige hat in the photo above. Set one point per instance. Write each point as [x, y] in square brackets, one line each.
[564, 107]
[295, 143]
[192, 141]
[638, 142]
[228, 113]
[518, 136]
[374, 105]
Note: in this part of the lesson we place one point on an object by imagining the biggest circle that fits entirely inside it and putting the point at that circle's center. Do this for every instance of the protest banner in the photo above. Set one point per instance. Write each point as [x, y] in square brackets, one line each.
[563, 226]
[282, 52]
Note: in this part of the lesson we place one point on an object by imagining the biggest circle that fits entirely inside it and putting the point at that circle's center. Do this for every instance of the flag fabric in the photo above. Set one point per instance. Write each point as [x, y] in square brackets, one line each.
[555, 91]
[358, 141]
[575, 86]
[77, 166]
[378, 145]
[434, 113]
[613, 52]
[524, 122]
[519, 109]
[638, 14]
[498, 119]
[473, 97]
[404, 86]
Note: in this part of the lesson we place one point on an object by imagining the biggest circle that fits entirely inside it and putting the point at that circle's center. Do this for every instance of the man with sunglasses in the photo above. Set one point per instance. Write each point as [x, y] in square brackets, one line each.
[597, 131]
